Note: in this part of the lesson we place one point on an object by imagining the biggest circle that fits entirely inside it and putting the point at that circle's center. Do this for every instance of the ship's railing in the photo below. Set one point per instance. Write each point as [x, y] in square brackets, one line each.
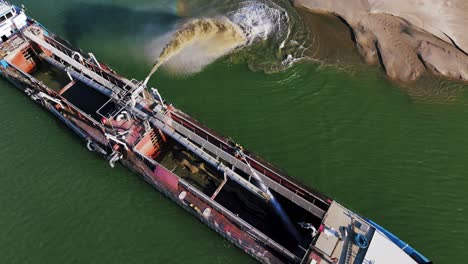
[119, 91]
[88, 63]
[30, 78]
[42, 87]
[179, 132]
[242, 224]
[258, 166]
[246, 227]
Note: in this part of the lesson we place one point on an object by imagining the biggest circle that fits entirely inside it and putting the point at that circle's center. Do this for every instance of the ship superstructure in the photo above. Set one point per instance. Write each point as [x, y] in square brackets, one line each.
[240, 196]
[10, 20]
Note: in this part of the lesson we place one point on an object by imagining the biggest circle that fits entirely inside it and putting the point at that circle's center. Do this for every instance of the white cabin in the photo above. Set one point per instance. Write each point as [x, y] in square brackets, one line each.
[11, 19]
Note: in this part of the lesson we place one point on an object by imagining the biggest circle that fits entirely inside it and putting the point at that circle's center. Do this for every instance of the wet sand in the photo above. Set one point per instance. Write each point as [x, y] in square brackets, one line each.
[429, 39]
[330, 39]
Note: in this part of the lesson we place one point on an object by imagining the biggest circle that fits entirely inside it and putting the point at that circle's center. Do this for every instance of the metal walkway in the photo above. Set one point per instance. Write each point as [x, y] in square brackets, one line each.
[219, 153]
[36, 39]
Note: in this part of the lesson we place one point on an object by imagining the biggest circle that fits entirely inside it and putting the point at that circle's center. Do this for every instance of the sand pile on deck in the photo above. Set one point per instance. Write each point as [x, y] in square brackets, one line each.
[407, 37]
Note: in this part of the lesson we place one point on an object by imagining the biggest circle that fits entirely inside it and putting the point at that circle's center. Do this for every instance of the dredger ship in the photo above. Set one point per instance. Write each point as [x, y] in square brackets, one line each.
[245, 199]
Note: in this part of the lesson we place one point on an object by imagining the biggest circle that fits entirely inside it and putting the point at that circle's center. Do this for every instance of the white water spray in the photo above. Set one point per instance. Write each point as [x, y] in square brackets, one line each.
[262, 20]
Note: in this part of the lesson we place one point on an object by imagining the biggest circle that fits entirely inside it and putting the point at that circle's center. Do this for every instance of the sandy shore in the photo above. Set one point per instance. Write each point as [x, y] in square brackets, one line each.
[407, 37]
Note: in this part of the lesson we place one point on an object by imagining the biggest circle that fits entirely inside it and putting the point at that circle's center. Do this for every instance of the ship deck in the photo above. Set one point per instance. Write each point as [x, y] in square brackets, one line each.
[337, 239]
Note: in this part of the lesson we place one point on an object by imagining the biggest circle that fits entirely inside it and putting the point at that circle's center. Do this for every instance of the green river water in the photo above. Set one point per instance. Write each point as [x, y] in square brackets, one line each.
[396, 155]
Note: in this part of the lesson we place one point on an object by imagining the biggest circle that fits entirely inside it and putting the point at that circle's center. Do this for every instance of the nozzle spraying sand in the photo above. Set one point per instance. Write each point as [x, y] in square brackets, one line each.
[152, 72]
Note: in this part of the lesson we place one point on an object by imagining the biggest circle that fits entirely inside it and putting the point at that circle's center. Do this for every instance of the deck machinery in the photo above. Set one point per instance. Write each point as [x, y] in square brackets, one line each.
[240, 196]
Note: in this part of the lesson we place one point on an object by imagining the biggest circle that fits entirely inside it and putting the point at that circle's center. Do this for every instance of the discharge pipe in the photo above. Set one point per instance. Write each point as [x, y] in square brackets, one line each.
[273, 201]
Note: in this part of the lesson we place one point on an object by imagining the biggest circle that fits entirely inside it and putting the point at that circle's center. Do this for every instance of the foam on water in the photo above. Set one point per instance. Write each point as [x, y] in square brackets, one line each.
[257, 20]
[280, 30]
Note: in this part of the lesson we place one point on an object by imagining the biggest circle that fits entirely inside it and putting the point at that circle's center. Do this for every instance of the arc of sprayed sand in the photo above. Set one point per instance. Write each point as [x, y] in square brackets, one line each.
[189, 32]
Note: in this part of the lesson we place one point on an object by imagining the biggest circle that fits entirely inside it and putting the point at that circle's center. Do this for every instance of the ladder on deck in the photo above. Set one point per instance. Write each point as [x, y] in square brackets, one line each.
[349, 247]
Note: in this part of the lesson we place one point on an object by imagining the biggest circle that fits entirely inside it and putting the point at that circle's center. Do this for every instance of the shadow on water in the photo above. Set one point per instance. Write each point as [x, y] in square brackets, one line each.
[84, 19]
